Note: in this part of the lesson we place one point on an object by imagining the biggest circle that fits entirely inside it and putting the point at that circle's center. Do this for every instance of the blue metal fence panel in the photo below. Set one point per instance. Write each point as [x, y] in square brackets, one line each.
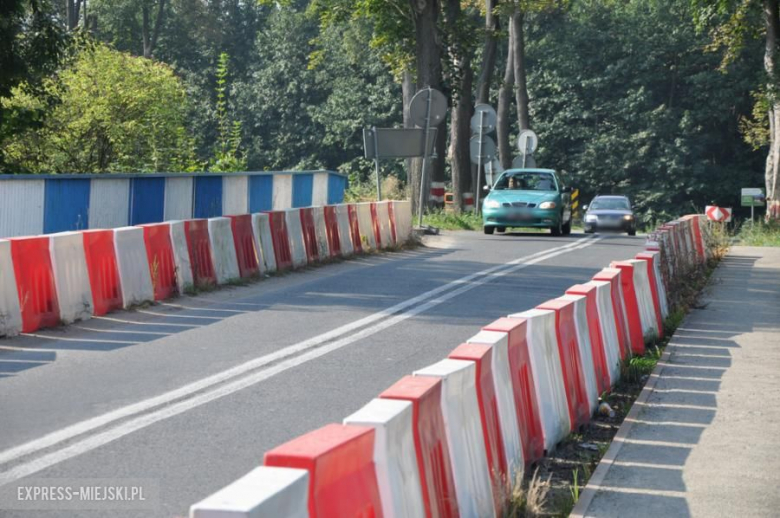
[303, 184]
[147, 200]
[337, 184]
[208, 197]
[261, 193]
[66, 205]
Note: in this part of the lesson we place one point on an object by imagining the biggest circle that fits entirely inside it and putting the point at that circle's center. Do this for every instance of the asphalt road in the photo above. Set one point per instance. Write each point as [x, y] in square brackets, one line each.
[184, 397]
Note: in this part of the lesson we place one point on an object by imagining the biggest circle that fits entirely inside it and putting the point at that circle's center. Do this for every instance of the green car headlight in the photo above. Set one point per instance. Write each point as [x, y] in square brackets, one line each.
[492, 204]
[547, 205]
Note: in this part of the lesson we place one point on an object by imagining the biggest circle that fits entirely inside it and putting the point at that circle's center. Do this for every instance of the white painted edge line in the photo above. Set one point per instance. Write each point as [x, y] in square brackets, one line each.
[189, 391]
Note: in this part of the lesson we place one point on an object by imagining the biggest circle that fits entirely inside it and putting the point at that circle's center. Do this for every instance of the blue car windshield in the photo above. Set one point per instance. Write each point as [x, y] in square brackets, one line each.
[610, 204]
[526, 181]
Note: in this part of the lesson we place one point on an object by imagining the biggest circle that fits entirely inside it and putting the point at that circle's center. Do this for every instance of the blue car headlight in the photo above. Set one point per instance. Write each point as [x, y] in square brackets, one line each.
[591, 217]
[492, 204]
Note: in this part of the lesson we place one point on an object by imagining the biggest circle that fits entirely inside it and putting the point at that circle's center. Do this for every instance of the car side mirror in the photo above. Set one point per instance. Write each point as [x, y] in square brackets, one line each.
[485, 188]
[566, 189]
[584, 207]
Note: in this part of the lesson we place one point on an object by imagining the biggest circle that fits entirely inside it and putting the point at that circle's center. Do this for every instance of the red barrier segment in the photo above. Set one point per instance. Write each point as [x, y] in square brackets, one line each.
[159, 253]
[594, 329]
[650, 258]
[482, 356]
[340, 462]
[375, 225]
[309, 235]
[199, 248]
[35, 282]
[613, 276]
[391, 213]
[244, 242]
[332, 228]
[430, 443]
[354, 228]
[697, 240]
[635, 333]
[281, 240]
[571, 363]
[523, 388]
[103, 270]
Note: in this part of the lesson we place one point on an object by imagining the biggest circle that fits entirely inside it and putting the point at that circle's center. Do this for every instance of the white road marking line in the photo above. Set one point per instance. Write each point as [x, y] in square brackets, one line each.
[386, 320]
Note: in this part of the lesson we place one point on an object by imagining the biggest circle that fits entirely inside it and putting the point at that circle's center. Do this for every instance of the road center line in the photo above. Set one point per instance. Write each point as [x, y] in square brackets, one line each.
[194, 398]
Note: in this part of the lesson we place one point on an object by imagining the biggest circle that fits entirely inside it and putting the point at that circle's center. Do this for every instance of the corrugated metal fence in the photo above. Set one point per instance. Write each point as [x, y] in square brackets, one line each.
[44, 204]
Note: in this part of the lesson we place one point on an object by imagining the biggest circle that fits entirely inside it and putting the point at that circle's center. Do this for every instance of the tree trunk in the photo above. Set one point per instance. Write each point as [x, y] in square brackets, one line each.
[504, 102]
[772, 21]
[521, 87]
[460, 159]
[72, 13]
[429, 73]
[488, 53]
[408, 89]
[151, 34]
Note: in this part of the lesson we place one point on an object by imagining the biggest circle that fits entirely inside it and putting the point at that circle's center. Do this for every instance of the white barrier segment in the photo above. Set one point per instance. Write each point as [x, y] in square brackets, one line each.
[263, 492]
[585, 347]
[395, 459]
[71, 277]
[10, 312]
[466, 441]
[282, 191]
[402, 211]
[505, 401]
[109, 202]
[235, 194]
[223, 250]
[181, 257]
[345, 234]
[622, 298]
[319, 194]
[264, 244]
[178, 198]
[659, 283]
[292, 218]
[548, 375]
[21, 213]
[383, 217]
[644, 297]
[608, 328]
[320, 232]
[133, 266]
[366, 226]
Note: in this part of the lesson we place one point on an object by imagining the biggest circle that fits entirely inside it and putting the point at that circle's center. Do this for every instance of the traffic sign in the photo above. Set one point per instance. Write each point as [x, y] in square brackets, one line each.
[719, 214]
[527, 142]
[418, 107]
[484, 116]
[521, 161]
[753, 197]
[488, 149]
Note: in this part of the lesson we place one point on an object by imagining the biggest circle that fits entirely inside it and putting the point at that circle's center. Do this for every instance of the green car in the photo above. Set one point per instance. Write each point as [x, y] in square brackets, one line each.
[528, 198]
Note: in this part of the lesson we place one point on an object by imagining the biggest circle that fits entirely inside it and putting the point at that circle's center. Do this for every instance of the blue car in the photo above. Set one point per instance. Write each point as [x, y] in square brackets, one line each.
[528, 198]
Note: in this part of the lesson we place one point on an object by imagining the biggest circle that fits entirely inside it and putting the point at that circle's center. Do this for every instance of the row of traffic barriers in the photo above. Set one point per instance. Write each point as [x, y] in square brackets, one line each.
[60, 278]
[450, 439]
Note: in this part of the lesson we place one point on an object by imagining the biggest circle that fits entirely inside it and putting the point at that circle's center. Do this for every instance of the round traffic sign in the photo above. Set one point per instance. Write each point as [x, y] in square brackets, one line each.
[527, 142]
[488, 149]
[418, 108]
[484, 116]
[517, 162]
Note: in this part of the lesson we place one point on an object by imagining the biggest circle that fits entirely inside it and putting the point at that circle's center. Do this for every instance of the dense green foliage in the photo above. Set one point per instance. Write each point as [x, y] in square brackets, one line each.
[628, 96]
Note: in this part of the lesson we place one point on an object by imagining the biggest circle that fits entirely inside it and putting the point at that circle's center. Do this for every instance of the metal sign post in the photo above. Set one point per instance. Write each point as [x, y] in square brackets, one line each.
[425, 159]
[376, 164]
[479, 158]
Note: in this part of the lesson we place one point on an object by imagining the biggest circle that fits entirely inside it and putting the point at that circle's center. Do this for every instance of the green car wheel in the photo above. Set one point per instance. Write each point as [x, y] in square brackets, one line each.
[488, 230]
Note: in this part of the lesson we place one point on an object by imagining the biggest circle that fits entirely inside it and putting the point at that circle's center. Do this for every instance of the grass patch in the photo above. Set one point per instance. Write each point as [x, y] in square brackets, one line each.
[451, 221]
[759, 234]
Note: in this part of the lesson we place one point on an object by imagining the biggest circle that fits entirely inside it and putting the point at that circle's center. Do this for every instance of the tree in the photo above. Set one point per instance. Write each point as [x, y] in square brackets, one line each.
[114, 113]
[226, 155]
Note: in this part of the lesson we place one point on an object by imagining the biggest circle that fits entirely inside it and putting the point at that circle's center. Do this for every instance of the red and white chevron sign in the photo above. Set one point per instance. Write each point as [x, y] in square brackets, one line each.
[719, 214]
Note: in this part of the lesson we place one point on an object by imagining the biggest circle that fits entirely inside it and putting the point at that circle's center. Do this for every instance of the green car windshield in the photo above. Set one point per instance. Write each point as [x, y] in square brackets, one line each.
[526, 181]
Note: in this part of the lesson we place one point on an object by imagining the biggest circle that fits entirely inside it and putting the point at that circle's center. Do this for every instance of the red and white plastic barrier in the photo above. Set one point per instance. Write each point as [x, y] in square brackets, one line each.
[464, 435]
[264, 491]
[402, 214]
[383, 224]
[321, 233]
[71, 276]
[281, 240]
[613, 277]
[295, 238]
[223, 250]
[366, 226]
[552, 400]
[336, 457]
[199, 247]
[344, 231]
[607, 325]
[261, 226]
[10, 313]
[181, 256]
[245, 242]
[395, 461]
[590, 323]
[430, 442]
[103, 270]
[159, 253]
[640, 285]
[437, 192]
[133, 266]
